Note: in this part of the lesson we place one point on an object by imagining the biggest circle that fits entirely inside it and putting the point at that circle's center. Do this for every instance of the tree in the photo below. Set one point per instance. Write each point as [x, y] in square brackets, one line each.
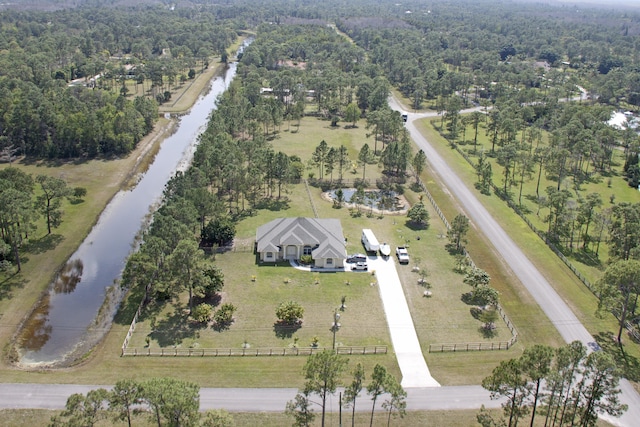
[620, 281]
[365, 156]
[212, 282]
[508, 380]
[376, 387]
[216, 418]
[185, 262]
[624, 230]
[124, 398]
[457, 232]
[342, 159]
[174, 401]
[82, 410]
[301, 411]
[322, 373]
[485, 175]
[599, 389]
[537, 364]
[566, 367]
[418, 214]
[17, 217]
[319, 157]
[289, 312]
[330, 162]
[485, 295]
[53, 191]
[353, 389]
[419, 162]
[476, 277]
[220, 230]
[352, 113]
[586, 214]
[396, 404]
[475, 119]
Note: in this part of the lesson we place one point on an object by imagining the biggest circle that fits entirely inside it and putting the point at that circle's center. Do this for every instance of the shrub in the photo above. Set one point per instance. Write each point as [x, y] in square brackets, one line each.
[289, 312]
[224, 315]
[202, 313]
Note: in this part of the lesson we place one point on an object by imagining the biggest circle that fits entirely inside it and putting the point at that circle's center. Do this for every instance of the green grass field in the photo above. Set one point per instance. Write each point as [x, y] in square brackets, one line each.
[575, 294]
[443, 318]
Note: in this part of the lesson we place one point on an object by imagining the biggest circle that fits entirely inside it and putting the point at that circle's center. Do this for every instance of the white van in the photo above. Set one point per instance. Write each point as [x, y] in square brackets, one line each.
[369, 240]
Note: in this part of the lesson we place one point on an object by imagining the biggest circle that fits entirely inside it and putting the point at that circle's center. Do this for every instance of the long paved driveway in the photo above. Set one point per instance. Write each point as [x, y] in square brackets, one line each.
[551, 303]
[406, 346]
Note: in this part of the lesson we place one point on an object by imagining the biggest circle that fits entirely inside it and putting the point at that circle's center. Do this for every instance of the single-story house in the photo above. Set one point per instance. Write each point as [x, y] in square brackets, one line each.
[291, 238]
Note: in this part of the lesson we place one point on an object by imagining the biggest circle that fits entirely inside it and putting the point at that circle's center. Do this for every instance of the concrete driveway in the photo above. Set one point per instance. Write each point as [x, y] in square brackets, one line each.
[415, 372]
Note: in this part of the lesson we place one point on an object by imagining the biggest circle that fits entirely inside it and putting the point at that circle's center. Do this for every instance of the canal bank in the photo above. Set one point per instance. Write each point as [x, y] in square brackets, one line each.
[79, 277]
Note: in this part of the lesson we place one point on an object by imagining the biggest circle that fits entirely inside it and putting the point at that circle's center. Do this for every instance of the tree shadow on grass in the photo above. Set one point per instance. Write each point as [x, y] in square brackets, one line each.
[212, 300]
[273, 204]
[285, 330]
[583, 257]
[175, 327]
[628, 364]
[416, 226]
[488, 331]
[9, 284]
[44, 244]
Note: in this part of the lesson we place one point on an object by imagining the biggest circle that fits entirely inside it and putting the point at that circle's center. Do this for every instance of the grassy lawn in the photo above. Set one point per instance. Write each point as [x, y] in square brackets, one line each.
[574, 293]
[463, 418]
[45, 254]
[444, 318]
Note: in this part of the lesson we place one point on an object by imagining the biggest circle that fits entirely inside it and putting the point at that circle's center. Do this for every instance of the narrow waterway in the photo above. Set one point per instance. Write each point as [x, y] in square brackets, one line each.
[81, 303]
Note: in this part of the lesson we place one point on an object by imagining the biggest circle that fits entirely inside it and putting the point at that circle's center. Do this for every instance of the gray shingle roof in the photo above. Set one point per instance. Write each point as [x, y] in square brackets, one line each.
[325, 233]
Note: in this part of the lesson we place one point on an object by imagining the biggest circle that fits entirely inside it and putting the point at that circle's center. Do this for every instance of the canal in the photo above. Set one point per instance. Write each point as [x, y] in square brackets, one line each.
[80, 304]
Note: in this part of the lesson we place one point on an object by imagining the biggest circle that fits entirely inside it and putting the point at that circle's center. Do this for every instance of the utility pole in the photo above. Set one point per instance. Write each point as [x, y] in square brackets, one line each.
[335, 326]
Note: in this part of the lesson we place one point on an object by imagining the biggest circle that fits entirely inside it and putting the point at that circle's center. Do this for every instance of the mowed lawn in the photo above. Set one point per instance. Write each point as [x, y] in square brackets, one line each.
[443, 318]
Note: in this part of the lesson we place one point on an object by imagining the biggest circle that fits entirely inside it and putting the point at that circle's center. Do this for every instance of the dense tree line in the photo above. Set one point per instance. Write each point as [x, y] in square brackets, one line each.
[467, 47]
[323, 375]
[43, 116]
[565, 386]
[23, 200]
[165, 401]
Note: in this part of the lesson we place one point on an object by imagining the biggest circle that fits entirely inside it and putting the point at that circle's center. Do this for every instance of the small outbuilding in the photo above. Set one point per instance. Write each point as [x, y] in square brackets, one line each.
[291, 238]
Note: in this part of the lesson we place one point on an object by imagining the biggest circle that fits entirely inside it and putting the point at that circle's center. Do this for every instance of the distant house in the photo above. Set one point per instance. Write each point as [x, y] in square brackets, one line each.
[291, 238]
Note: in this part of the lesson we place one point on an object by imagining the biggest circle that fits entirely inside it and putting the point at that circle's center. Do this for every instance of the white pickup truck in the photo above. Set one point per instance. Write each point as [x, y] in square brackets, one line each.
[402, 254]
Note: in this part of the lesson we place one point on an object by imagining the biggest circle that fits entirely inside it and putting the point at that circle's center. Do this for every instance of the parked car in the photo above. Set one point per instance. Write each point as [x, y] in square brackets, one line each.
[356, 258]
[402, 254]
[362, 266]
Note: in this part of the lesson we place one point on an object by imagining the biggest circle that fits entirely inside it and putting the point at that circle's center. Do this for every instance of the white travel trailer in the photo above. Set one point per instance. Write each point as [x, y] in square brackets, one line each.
[369, 240]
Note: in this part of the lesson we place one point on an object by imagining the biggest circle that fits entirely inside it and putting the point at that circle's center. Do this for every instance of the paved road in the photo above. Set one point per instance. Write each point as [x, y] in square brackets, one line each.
[551, 303]
[54, 396]
[406, 346]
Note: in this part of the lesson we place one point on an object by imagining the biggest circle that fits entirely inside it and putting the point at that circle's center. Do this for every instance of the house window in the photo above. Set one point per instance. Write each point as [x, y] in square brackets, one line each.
[329, 261]
[306, 250]
[269, 255]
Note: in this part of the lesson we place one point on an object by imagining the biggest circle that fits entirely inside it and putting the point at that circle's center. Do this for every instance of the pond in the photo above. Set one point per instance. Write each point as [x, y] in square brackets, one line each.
[378, 199]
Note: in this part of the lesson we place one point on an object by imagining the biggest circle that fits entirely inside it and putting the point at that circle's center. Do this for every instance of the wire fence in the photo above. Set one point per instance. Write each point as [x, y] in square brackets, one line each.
[504, 345]
[631, 329]
[250, 352]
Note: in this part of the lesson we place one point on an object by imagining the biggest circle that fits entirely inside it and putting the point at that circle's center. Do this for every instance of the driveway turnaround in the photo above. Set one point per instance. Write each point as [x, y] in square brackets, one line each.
[415, 372]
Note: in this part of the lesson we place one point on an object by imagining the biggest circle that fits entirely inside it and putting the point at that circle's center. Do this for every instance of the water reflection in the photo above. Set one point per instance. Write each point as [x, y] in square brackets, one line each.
[38, 331]
[63, 326]
[69, 277]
